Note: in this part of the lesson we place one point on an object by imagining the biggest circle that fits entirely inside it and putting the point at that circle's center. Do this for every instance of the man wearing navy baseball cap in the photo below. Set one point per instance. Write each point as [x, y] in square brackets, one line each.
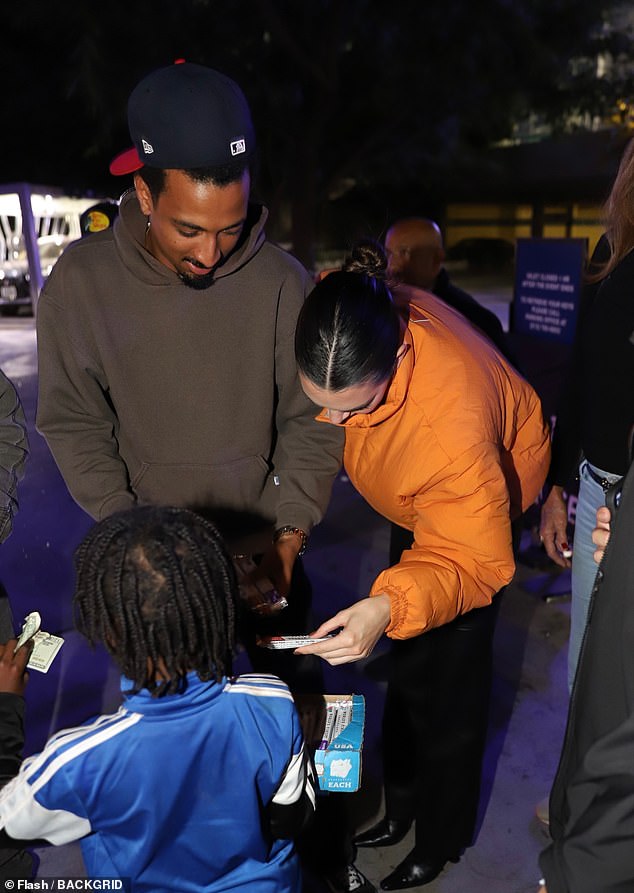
[190, 125]
[166, 347]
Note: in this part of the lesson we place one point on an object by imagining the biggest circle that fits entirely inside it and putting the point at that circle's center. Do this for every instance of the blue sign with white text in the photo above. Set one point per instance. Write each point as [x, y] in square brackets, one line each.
[547, 287]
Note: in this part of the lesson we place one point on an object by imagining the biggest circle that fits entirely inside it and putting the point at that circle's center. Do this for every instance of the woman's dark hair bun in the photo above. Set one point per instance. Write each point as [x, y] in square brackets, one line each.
[368, 257]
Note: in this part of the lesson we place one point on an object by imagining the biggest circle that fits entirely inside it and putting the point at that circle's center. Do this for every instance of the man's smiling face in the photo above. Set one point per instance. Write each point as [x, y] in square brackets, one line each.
[194, 226]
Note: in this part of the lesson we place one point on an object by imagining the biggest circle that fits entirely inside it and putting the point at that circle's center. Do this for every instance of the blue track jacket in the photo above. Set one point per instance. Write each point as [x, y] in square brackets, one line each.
[173, 792]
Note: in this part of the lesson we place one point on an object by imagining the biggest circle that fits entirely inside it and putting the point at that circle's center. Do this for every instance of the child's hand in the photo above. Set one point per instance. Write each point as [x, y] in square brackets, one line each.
[278, 561]
[13, 672]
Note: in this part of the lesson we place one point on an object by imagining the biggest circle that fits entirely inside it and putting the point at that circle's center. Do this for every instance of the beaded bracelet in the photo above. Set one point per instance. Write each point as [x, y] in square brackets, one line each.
[287, 531]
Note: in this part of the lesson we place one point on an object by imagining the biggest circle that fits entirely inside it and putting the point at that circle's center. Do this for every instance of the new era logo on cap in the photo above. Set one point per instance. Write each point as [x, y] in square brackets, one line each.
[238, 147]
[147, 148]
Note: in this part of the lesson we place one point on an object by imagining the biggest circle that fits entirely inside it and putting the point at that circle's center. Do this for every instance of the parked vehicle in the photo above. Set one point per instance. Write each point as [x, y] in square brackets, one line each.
[56, 223]
[15, 279]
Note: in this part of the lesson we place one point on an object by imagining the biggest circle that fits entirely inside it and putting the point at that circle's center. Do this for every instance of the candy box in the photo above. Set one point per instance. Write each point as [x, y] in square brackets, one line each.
[333, 728]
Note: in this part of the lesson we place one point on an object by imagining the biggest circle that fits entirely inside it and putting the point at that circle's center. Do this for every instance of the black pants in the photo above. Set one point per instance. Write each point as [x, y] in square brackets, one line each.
[435, 724]
[434, 730]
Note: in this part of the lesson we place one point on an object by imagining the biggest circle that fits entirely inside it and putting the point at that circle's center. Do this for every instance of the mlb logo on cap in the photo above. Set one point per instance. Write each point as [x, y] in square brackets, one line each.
[238, 147]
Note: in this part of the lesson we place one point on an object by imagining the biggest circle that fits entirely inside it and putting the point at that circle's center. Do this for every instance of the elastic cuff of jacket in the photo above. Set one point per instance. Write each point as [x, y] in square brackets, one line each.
[398, 607]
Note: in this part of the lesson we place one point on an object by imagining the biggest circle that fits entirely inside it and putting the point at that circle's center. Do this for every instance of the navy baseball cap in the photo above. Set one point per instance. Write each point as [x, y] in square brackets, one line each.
[186, 116]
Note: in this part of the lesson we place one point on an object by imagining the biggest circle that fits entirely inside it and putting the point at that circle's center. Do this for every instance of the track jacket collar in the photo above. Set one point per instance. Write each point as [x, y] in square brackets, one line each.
[198, 695]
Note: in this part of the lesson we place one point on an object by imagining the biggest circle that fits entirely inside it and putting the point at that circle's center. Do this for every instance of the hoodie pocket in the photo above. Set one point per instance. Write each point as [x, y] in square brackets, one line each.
[238, 485]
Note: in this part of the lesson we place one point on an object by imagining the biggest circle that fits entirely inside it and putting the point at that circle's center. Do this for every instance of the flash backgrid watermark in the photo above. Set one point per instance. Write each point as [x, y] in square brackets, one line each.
[123, 885]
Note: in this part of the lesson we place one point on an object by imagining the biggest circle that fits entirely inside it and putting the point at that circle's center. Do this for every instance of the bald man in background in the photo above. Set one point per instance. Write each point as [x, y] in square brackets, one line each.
[416, 255]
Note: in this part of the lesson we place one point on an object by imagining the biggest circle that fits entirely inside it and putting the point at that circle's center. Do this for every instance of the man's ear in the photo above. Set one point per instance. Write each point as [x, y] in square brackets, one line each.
[144, 195]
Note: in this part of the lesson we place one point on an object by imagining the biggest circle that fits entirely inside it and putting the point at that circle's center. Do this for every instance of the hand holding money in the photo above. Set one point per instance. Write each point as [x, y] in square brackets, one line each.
[13, 661]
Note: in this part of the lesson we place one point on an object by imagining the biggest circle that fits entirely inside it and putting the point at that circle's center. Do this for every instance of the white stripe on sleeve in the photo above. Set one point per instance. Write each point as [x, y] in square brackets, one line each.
[294, 782]
[20, 813]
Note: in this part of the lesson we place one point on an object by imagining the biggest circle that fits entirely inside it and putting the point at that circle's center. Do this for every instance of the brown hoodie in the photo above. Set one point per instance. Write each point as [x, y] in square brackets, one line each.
[152, 392]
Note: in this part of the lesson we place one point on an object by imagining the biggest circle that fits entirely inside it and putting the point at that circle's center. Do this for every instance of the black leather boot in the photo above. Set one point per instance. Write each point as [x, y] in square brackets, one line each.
[384, 833]
[414, 872]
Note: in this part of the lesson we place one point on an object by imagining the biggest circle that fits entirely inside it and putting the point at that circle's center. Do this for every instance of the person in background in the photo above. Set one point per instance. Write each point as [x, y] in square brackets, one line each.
[15, 862]
[415, 256]
[596, 411]
[443, 437]
[601, 533]
[14, 450]
[98, 217]
[13, 680]
[200, 781]
[592, 799]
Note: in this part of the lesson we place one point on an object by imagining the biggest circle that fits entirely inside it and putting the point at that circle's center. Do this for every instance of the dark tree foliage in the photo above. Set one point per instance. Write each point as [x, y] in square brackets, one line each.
[348, 95]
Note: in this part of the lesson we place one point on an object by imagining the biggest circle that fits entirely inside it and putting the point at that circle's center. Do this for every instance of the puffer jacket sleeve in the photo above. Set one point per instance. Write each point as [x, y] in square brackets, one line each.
[462, 553]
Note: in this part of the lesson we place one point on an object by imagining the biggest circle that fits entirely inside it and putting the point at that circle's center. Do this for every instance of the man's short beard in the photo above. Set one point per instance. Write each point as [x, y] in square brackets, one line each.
[198, 283]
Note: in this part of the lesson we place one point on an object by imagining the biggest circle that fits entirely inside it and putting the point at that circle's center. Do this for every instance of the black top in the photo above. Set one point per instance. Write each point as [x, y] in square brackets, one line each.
[596, 412]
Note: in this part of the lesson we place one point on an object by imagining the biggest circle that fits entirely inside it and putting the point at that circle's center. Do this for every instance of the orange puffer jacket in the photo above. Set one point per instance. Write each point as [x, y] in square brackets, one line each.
[457, 449]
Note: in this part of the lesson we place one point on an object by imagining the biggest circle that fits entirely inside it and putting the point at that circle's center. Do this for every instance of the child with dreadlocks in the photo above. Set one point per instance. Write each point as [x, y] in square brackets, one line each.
[199, 781]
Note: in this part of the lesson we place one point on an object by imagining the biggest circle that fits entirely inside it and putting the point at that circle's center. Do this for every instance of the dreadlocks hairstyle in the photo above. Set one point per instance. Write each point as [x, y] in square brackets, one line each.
[348, 331]
[158, 588]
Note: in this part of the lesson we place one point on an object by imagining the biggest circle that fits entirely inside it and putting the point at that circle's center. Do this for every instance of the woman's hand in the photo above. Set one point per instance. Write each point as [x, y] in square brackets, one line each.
[553, 528]
[601, 533]
[361, 626]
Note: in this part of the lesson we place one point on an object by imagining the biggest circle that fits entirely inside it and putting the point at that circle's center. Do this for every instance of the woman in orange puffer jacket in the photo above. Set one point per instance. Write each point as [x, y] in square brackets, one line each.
[445, 438]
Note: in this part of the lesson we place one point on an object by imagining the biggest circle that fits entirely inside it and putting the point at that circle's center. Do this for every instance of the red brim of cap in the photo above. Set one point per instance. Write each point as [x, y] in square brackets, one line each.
[125, 163]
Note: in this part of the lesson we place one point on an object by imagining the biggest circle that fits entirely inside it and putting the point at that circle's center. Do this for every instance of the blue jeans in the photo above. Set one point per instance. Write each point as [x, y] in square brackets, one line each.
[584, 568]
